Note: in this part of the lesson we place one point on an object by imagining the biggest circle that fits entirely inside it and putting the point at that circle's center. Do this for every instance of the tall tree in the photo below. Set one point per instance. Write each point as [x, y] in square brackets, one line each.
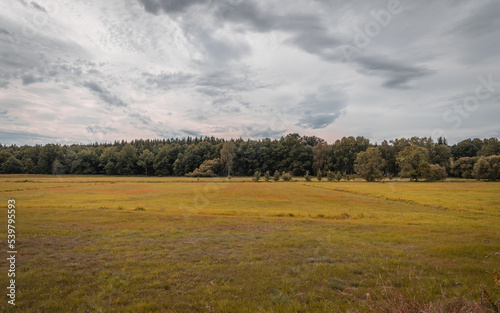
[227, 154]
[12, 166]
[146, 160]
[108, 160]
[164, 160]
[320, 157]
[414, 162]
[127, 159]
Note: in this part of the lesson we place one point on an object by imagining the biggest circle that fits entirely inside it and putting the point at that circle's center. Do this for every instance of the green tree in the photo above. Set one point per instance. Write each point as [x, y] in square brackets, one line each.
[146, 159]
[414, 162]
[4, 156]
[345, 151]
[58, 168]
[48, 155]
[295, 155]
[127, 159]
[29, 166]
[108, 160]
[86, 162]
[441, 154]
[490, 147]
[369, 164]
[209, 168]
[436, 172]
[276, 176]
[12, 166]
[164, 160]
[487, 168]
[320, 157]
[178, 167]
[463, 167]
[227, 154]
[467, 148]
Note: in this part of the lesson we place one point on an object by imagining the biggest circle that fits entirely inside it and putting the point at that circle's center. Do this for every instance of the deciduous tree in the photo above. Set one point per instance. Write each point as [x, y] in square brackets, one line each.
[369, 164]
[414, 162]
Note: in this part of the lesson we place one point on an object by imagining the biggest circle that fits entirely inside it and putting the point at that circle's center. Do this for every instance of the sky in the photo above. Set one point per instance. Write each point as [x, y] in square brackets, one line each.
[100, 71]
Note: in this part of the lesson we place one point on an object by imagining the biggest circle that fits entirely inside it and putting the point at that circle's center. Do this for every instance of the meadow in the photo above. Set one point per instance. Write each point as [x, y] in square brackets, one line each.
[156, 244]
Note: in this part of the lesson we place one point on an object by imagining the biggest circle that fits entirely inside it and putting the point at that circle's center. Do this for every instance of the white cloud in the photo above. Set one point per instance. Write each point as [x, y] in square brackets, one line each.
[118, 70]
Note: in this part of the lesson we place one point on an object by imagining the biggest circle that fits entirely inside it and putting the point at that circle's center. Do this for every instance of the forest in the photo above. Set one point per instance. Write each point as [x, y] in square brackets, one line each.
[415, 158]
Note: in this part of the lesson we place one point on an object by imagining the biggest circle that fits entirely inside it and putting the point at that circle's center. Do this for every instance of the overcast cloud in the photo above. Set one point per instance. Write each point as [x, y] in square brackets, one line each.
[86, 71]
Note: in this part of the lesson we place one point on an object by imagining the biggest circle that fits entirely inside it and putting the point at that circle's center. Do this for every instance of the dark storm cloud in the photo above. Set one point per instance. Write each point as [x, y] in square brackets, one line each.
[168, 6]
[104, 94]
[322, 108]
[397, 75]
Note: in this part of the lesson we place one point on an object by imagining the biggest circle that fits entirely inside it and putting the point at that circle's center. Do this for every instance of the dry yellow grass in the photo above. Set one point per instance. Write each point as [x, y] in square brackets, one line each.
[137, 244]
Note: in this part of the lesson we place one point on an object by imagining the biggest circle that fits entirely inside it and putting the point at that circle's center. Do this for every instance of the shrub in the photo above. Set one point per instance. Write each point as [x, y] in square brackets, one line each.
[330, 176]
[307, 176]
[277, 176]
[256, 176]
[267, 176]
[436, 172]
[319, 176]
[286, 176]
[487, 168]
[338, 176]
[208, 168]
[463, 167]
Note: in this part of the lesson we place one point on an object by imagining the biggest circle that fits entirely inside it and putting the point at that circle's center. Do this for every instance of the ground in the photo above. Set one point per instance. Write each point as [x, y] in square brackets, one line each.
[152, 244]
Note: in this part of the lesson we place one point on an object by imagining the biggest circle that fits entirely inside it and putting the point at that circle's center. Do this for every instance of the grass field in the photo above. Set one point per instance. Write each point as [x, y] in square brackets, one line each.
[137, 244]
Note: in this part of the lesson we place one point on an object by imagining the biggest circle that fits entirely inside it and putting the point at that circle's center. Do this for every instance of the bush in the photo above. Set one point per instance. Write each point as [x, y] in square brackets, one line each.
[256, 176]
[267, 176]
[208, 168]
[463, 167]
[330, 176]
[319, 176]
[286, 176]
[307, 176]
[436, 172]
[338, 176]
[487, 168]
[277, 176]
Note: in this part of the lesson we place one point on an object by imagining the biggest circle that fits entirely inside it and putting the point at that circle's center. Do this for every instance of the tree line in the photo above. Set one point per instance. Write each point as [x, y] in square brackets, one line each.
[294, 155]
